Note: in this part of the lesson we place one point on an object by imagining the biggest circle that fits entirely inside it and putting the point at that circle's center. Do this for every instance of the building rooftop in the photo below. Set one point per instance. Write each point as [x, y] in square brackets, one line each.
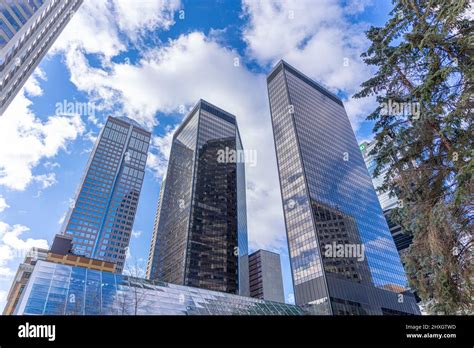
[205, 105]
[282, 64]
[129, 121]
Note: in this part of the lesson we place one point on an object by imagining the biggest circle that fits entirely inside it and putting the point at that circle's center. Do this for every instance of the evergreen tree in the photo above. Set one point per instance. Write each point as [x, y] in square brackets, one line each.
[424, 133]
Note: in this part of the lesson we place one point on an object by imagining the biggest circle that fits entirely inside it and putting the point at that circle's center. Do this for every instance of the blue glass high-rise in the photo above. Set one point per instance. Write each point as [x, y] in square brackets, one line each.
[330, 205]
[101, 218]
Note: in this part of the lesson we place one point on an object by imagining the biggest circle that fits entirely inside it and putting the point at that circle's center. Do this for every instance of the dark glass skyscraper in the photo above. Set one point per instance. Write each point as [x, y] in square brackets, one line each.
[343, 257]
[101, 218]
[200, 234]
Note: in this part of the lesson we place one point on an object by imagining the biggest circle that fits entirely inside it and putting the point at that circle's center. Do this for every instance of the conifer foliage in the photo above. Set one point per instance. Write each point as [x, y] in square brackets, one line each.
[424, 133]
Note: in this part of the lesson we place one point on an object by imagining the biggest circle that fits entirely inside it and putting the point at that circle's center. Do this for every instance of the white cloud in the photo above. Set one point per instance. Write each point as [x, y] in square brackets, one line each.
[135, 18]
[97, 34]
[91, 136]
[109, 27]
[136, 234]
[32, 86]
[46, 180]
[358, 109]
[10, 236]
[160, 82]
[51, 165]
[13, 248]
[31, 140]
[356, 6]
[3, 204]
[315, 37]
[159, 152]
[290, 298]
[104, 23]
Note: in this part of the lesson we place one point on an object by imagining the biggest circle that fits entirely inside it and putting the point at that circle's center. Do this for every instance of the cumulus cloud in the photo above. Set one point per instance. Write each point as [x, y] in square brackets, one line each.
[356, 6]
[104, 23]
[32, 86]
[160, 81]
[13, 248]
[109, 27]
[45, 180]
[136, 234]
[316, 37]
[30, 140]
[358, 109]
[97, 34]
[10, 236]
[159, 152]
[135, 18]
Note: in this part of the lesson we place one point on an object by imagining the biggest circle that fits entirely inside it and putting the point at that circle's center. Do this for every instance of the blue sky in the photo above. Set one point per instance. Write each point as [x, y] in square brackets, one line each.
[150, 60]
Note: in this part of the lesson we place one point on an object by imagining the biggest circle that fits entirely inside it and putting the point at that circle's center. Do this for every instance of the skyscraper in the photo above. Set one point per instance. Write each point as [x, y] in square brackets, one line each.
[402, 240]
[266, 281]
[28, 28]
[342, 255]
[200, 236]
[101, 218]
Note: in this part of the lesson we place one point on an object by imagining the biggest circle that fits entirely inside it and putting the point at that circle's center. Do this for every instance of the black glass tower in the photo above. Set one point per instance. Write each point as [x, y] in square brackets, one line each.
[200, 232]
[343, 258]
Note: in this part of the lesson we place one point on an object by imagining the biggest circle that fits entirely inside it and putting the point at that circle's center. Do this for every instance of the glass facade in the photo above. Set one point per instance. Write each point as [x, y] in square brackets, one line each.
[101, 219]
[28, 28]
[56, 289]
[329, 202]
[200, 236]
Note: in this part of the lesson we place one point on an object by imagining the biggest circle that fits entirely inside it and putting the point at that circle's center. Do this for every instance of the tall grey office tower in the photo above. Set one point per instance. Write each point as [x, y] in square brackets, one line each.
[342, 255]
[101, 219]
[200, 236]
[28, 28]
[266, 281]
